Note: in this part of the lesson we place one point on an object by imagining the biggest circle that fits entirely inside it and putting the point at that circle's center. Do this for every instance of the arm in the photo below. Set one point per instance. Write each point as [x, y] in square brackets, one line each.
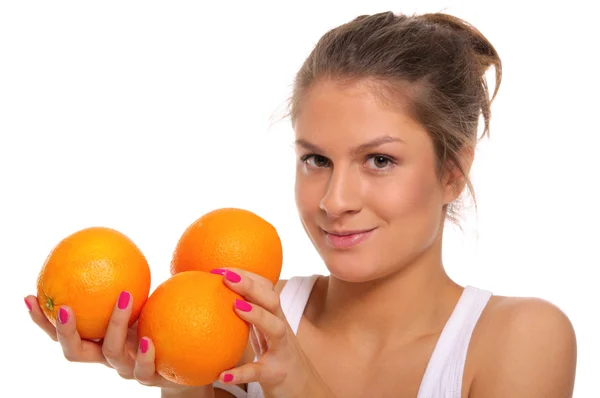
[533, 353]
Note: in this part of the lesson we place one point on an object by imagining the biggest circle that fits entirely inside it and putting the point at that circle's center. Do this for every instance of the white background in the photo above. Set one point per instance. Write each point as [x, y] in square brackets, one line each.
[142, 116]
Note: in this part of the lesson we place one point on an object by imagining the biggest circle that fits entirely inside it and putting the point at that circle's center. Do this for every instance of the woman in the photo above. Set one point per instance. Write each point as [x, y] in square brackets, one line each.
[385, 112]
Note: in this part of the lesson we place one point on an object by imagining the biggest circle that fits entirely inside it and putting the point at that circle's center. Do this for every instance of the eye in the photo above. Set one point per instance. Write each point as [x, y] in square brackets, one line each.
[380, 162]
[315, 160]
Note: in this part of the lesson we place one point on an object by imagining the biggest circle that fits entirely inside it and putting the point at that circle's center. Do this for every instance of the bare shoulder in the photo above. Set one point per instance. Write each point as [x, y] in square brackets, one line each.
[527, 348]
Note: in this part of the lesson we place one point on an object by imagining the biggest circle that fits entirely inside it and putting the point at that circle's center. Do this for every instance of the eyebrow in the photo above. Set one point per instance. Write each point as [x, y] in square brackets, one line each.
[374, 143]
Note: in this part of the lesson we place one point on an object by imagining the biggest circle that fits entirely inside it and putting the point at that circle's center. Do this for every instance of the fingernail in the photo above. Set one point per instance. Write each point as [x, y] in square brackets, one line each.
[28, 305]
[232, 277]
[63, 316]
[228, 377]
[218, 271]
[123, 300]
[242, 305]
[143, 345]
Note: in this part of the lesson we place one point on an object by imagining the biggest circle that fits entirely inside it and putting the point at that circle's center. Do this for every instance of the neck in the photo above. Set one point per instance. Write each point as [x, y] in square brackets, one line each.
[396, 309]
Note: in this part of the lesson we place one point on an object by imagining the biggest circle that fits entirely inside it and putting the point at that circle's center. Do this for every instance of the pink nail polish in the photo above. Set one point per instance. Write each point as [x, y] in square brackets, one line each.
[218, 271]
[28, 305]
[63, 316]
[143, 345]
[123, 300]
[232, 277]
[227, 377]
[242, 305]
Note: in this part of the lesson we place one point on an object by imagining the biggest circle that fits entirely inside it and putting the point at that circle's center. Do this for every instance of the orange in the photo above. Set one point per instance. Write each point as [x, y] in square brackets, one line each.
[233, 238]
[191, 321]
[87, 271]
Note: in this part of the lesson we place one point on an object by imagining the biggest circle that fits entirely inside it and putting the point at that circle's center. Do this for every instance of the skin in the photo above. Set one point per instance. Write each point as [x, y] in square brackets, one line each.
[370, 327]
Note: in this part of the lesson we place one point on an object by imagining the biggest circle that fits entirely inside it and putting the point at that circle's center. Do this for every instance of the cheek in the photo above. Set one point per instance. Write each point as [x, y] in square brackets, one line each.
[411, 211]
[412, 194]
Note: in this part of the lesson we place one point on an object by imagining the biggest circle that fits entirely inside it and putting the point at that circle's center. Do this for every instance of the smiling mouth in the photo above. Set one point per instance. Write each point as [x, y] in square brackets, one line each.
[346, 239]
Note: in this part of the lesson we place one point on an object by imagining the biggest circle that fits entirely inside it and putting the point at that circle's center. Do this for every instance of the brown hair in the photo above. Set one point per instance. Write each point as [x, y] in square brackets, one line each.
[436, 61]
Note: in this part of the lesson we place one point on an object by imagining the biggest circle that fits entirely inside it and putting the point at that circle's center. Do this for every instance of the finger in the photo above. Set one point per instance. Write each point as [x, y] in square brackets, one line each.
[243, 273]
[273, 327]
[250, 373]
[36, 314]
[255, 277]
[254, 291]
[144, 371]
[74, 349]
[113, 346]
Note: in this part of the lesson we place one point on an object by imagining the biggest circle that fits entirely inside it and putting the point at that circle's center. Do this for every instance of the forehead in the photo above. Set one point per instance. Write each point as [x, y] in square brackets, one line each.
[334, 115]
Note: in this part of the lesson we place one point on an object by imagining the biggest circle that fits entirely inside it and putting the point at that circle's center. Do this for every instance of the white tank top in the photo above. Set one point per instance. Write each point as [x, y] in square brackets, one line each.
[444, 373]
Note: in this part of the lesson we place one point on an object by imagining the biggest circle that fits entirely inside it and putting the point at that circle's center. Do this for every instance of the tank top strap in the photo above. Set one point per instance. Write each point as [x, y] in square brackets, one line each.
[294, 297]
[444, 373]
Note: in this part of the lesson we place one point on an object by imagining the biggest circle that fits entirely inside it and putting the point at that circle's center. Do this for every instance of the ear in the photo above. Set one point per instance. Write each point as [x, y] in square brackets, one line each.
[453, 179]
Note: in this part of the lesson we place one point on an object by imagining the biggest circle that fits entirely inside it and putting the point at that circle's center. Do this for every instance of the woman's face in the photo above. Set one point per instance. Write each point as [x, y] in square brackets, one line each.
[367, 190]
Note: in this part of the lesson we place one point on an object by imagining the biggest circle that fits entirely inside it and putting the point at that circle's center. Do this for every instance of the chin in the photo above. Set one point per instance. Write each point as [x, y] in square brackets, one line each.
[351, 267]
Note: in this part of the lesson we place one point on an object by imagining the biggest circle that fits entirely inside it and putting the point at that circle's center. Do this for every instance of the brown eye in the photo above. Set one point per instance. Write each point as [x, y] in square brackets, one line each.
[321, 161]
[317, 161]
[380, 162]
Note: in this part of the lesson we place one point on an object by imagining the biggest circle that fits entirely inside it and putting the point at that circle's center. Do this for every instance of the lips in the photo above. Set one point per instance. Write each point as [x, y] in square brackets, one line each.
[347, 239]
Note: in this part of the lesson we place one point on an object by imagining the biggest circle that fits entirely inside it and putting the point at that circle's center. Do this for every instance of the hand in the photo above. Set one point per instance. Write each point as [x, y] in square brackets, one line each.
[282, 368]
[118, 350]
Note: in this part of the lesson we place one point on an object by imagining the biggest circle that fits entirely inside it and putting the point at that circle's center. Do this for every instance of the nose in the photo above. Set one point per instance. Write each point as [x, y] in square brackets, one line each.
[343, 195]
